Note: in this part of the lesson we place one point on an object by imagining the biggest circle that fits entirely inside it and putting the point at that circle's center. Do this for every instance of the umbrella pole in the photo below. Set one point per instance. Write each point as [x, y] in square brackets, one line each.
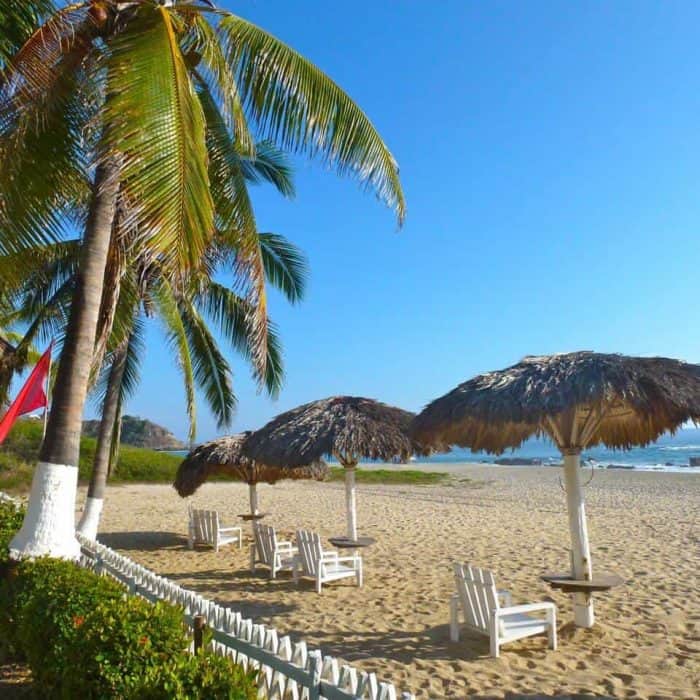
[350, 503]
[253, 497]
[581, 554]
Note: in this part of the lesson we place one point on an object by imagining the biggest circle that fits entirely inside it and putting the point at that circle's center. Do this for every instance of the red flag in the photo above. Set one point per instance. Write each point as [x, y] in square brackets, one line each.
[31, 396]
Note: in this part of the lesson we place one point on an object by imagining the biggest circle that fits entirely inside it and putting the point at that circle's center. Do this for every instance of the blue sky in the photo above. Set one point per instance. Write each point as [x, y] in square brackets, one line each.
[550, 155]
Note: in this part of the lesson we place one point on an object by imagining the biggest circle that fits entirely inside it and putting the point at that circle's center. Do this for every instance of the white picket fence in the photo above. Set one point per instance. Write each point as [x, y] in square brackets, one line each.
[288, 670]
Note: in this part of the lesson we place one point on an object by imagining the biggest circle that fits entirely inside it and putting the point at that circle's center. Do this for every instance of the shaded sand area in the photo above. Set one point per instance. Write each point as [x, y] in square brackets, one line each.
[643, 526]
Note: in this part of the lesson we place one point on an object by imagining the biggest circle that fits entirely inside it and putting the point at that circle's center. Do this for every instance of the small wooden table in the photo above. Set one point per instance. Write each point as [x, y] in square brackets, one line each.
[252, 516]
[566, 582]
[347, 543]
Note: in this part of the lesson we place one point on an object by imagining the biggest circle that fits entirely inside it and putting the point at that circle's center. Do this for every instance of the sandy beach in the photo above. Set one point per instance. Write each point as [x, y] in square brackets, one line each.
[643, 526]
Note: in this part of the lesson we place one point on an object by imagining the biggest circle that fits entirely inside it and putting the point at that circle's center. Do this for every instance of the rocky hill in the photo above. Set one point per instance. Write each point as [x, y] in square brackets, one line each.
[140, 433]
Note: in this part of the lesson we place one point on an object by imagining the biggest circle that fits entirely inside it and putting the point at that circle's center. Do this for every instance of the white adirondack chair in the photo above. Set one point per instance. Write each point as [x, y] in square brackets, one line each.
[481, 605]
[205, 528]
[323, 566]
[267, 550]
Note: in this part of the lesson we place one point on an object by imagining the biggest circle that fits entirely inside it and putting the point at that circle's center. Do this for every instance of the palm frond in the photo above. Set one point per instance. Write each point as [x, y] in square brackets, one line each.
[154, 119]
[230, 313]
[301, 108]
[176, 337]
[42, 116]
[18, 20]
[286, 266]
[204, 44]
[272, 165]
[235, 222]
[212, 372]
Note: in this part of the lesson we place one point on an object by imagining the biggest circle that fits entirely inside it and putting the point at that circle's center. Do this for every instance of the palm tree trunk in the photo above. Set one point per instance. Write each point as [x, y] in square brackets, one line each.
[49, 526]
[90, 519]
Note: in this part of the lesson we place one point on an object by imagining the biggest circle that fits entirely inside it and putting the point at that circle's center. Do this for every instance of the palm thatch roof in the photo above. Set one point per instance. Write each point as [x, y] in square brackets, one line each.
[224, 456]
[347, 427]
[578, 399]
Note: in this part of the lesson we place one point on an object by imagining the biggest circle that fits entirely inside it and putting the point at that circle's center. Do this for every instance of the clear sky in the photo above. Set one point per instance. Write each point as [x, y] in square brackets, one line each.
[550, 155]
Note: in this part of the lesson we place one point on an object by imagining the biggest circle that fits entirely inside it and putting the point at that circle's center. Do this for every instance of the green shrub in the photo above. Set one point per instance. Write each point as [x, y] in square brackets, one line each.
[121, 645]
[11, 517]
[82, 637]
[204, 677]
[49, 600]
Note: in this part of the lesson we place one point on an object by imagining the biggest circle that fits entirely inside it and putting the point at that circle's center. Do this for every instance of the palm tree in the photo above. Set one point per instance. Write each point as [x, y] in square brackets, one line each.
[113, 104]
[187, 318]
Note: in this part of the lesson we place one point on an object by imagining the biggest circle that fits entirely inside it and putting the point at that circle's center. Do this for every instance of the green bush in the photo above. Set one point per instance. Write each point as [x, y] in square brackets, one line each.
[120, 646]
[205, 676]
[49, 599]
[82, 637]
[11, 517]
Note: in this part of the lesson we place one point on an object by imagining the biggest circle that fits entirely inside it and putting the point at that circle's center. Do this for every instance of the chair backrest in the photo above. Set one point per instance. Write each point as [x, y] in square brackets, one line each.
[310, 550]
[477, 593]
[205, 524]
[265, 542]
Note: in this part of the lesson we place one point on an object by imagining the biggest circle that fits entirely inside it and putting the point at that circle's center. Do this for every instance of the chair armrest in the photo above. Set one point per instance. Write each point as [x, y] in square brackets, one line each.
[284, 544]
[353, 559]
[286, 551]
[530, 607]
[329, 555]
[229, 529]
[505, 598]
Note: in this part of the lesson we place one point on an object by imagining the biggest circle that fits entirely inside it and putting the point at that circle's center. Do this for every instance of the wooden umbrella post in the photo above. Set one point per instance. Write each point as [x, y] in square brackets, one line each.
[253, 497]
[350, 500]
[581, 554]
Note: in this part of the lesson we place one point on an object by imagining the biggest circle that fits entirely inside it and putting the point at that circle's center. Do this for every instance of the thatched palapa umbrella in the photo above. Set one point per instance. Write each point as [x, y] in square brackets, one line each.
[349, 428]
[578, 400]
[224, 456]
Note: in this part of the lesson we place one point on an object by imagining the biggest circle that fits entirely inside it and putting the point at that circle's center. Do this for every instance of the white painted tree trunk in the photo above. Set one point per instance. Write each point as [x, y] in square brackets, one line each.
[350, 502]
[581, 554]
[253, 496]
[90, 517]
[49, 526]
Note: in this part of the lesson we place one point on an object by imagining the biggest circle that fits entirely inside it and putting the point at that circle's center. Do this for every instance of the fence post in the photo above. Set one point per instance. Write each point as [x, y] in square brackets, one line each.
[199, 623]
[313, 665]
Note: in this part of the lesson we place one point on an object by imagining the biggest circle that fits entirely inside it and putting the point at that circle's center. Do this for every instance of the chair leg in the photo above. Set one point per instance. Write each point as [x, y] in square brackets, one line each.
[359, 574]
[252, 557]
[494, 642]
[454, 619]
[295, 572]
[552, 631]
[319, 580]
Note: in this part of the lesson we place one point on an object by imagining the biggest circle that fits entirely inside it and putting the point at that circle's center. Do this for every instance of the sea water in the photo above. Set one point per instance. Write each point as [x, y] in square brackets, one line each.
[668, 453]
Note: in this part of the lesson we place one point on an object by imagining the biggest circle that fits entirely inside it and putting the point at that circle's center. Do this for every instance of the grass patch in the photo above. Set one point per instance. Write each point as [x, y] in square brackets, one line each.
[391, 476]
[20, 452]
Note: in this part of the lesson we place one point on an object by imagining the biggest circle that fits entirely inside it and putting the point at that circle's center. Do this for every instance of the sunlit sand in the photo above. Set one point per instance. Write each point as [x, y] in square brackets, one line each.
[644, 527]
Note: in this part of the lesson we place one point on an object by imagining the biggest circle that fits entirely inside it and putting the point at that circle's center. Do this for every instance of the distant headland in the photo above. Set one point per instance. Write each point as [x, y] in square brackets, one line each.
[140, 432]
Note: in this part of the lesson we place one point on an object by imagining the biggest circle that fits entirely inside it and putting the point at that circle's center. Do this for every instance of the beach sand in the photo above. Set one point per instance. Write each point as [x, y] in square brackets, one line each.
[643, 526]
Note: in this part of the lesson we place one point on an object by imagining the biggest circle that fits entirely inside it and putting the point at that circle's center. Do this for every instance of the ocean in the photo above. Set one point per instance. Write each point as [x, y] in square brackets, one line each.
[669, 453]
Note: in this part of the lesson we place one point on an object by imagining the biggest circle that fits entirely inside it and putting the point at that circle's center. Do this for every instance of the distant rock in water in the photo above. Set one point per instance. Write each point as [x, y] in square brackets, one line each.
[695, 462]
[140, 432]
[620, 466]
[519, 461]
